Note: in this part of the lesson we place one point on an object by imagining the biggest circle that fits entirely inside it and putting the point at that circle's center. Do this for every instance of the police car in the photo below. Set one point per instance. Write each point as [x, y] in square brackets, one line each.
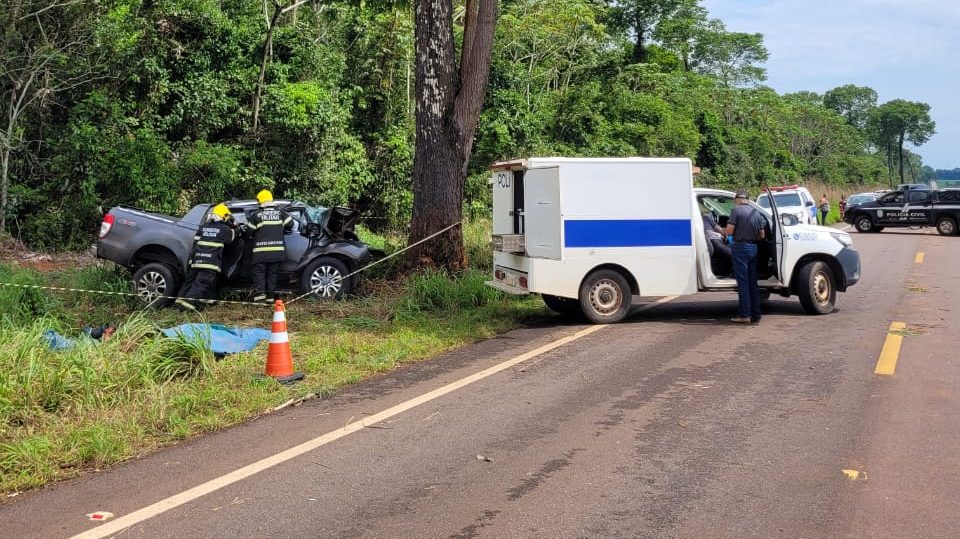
[909, 208]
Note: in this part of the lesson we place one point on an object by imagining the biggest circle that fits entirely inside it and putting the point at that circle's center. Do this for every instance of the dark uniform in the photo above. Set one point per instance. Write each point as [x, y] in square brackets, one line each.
[747, 226]
[268, 223]
[205, 264]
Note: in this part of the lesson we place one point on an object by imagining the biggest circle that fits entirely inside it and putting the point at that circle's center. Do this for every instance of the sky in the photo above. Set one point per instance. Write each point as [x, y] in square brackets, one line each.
[903, 49]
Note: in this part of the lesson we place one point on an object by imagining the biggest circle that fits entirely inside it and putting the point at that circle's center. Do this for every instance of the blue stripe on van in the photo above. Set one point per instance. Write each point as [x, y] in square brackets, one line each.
[627, 233]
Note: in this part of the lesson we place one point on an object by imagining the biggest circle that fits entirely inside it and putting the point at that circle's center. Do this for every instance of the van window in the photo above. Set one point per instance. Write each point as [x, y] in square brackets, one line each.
[919, 196]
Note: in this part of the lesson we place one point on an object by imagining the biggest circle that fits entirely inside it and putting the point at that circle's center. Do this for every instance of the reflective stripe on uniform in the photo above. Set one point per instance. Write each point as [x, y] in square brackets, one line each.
[210, 243]
[267, 223]
[213, 267]
[265, 249]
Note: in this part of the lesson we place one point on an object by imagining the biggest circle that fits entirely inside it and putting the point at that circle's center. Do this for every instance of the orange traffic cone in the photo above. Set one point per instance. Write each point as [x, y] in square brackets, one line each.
[279, 359]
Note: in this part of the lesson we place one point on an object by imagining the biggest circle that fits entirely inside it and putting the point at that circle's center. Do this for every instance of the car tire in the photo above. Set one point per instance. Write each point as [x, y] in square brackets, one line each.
[327, 278]
[817, 288]
[563, 306]
[947, 226]
[864, 224]
[154, 280]
[605, 297]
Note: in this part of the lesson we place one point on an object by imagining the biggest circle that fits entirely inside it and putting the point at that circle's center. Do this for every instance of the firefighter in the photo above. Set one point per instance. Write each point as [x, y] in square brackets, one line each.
[268, 224]
[207, 259]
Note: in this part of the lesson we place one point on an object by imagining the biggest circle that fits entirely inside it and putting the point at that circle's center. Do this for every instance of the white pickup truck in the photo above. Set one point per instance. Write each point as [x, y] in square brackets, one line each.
[588, 234]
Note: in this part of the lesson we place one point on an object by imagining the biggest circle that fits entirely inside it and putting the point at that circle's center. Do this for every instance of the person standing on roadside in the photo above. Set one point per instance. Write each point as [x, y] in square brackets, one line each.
[268, 224]
[748, 229]
[824, 209]
[207, 260]
[842, 205]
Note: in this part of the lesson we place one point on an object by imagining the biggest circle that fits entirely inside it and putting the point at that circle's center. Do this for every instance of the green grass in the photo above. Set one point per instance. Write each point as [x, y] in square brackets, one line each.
[99, 403]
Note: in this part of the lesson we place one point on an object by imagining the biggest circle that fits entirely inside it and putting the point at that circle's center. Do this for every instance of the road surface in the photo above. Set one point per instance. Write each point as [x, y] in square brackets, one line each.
[673, 424]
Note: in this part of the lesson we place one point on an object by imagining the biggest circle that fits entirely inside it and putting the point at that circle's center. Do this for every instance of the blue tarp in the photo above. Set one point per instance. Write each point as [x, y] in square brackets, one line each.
[218, 338]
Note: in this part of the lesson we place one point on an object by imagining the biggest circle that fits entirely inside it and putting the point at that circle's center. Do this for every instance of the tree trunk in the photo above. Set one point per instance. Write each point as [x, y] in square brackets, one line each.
[267, 43]
[4, 170]
[448, 109]
[901, 155]
[639, 55]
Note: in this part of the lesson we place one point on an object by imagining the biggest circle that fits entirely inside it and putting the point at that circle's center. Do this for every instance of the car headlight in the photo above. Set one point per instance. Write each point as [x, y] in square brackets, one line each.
[843, 238]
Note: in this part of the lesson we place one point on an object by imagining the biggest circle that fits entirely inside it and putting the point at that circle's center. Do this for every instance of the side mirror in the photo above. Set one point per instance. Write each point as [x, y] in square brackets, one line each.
[789, 220]
[809, 203]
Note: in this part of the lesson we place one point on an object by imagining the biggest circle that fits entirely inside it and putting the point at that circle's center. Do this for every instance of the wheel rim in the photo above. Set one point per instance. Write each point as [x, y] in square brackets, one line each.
[946, 227]
[151, 285]
[821, 288]
[864, 224]
[326, 281]
[605, 297]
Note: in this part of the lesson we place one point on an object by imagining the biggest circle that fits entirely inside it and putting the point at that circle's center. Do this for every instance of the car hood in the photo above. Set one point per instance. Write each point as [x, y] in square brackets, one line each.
[786, 209]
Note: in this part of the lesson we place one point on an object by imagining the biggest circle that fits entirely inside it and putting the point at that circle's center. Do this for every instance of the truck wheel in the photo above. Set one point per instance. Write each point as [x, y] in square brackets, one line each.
[605, 297]
[946, 226]
[326, 277]
[816, 288]
[154, 280]
[863, 224]
[563, 306]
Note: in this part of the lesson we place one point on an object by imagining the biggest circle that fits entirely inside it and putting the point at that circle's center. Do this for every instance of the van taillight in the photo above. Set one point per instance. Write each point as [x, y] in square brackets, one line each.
[106, 225]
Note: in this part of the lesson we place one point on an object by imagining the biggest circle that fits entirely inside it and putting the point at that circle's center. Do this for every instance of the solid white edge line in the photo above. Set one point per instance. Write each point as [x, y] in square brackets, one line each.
[239, 474]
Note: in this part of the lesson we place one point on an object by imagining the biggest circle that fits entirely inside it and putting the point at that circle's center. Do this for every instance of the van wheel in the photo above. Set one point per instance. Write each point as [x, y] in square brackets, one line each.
[563, 306]
[156, 280]
[816, 288]
[605, 297]
[863, 224]
[326, 278]
[946, 226]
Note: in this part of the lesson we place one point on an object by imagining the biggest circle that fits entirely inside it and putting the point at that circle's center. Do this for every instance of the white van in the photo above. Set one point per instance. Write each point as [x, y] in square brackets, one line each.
[589, 233]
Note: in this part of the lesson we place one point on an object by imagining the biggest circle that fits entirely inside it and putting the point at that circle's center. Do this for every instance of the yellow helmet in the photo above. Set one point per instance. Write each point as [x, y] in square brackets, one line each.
[263, 197]
[221, 211]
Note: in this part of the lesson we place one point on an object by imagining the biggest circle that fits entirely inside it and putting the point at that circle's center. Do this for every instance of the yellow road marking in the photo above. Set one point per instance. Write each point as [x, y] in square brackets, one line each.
[919, 258]
[166, 504]
[891, 350]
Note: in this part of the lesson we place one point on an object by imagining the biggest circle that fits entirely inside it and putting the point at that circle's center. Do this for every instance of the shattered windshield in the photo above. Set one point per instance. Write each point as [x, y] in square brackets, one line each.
[315, 214]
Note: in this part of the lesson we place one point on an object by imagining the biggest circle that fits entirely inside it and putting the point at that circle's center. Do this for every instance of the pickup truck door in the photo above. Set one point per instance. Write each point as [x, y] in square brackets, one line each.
[294, 242]
[920, 207]
[779, 237]
[891, 209]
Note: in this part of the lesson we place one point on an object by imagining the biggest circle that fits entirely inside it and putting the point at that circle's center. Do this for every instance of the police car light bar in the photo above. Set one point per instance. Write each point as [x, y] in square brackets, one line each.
[783, 188]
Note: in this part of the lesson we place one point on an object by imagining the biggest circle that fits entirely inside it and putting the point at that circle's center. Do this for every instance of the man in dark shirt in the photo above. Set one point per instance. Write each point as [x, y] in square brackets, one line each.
[748, 229]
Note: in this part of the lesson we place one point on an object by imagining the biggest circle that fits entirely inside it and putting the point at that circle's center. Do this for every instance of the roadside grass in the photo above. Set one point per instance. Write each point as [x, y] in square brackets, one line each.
[64, 412]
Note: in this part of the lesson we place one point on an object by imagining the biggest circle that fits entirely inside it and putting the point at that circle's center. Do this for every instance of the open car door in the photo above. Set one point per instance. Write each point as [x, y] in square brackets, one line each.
[779, 236]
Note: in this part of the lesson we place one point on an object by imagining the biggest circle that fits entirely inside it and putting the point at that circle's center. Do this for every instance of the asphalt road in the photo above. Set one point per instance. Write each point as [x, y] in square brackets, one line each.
[673, 424]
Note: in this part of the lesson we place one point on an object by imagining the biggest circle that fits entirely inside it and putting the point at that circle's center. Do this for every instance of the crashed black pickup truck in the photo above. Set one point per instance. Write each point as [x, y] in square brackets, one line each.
[322, 249]
[909, 208]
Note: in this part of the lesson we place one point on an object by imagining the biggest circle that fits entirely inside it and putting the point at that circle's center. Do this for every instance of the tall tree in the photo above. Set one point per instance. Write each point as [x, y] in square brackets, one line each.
[682, 29]
[41, 48]
[640, 18]
[905, 121]
[852, 102]
[733, 57]
[449, 96]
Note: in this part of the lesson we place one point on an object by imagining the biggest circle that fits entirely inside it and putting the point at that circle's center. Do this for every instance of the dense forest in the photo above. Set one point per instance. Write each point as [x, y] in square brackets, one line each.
[165, 103]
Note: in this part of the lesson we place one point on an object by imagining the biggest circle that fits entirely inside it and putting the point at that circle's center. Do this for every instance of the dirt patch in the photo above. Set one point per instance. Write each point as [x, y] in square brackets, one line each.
[15, 252]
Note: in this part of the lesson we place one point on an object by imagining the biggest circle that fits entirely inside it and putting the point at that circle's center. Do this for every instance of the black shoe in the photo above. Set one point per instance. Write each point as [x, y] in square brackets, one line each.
[754, 320]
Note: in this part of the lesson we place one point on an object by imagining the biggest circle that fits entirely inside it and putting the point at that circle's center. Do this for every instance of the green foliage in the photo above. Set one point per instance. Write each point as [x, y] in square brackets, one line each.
[161, 116]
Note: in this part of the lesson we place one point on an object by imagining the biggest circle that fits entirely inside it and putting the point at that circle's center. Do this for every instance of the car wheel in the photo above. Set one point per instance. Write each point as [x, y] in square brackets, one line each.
[327, 278]
[816, 288]
[605, 297]
[563, 306]
[156, 280]
[946, 226]
[863, 223]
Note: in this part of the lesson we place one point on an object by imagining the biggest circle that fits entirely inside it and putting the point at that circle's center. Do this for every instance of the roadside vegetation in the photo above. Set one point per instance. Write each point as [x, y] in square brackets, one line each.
[63, 412]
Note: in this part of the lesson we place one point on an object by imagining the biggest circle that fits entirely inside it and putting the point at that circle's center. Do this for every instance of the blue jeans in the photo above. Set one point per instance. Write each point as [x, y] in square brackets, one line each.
[745, 269]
